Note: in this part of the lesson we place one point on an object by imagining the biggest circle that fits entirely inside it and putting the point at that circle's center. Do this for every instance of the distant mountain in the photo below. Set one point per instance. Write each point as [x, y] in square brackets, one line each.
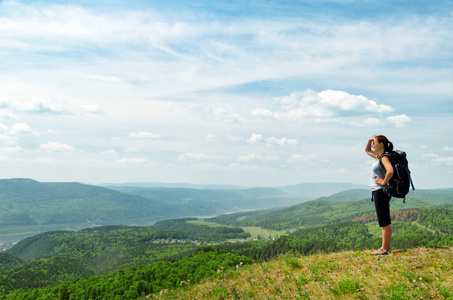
[288, 195]
[173, 185]
[216, 201]
[26, 202]
[316, 190]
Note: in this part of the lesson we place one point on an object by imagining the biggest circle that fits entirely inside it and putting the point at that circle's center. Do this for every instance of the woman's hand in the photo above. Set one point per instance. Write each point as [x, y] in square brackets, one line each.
[379, 181]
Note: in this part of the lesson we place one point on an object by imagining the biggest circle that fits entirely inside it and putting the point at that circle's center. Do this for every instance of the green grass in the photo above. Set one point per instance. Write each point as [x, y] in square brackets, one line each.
[209, 224]
[254, 231]
[424, 273]
[263, 233]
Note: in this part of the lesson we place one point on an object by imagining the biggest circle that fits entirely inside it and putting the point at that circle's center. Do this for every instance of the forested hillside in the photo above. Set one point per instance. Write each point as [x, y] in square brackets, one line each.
[327, 210]
[25, 202]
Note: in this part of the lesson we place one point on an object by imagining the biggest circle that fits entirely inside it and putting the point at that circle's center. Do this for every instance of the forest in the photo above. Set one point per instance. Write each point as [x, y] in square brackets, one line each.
[130, 262]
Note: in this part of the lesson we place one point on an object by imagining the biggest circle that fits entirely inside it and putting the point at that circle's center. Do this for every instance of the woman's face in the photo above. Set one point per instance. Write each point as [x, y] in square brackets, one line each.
[376, 146]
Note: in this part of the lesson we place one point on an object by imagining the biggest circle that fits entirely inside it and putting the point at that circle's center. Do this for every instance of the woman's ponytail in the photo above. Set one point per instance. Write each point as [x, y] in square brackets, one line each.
[388, 146]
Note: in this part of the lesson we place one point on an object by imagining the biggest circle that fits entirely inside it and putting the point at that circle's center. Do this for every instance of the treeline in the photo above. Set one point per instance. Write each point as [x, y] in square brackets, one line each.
[324, 211]
[203, 232]
[137, 283]
[330, 238]
[8, 261]
[340, 237]
[107, 248]
[43, 272]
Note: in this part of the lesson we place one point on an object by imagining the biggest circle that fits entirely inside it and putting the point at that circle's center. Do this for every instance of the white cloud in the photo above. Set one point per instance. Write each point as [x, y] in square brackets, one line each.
[20, 128]
[249, 157]
[306, 159]
[50, 107]
[196, 157]
[282, 141]
[144, 135]
[41, 106]
[7, 138]
[301, 158]
[132, 161]
[108, 152]
[437, 159]
[56, 147]
[5, 113]
[444, 160]
[399, 121]
[92, 108]
[430, 156]
[7, 149]
[261, 112]
[325, 104]
[347, 102]
[211, 137]
[255, 138]
[259, 138]
[330, 106]
[366, 122]
[448, 148]
[3, 127]
[254, 156]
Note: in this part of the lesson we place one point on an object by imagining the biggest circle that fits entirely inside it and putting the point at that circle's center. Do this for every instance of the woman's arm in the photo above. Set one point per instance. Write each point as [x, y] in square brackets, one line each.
[368, 149]
[389, 172]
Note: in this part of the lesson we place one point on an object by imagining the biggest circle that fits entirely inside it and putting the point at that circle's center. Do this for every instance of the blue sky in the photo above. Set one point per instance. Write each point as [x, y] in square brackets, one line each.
[255, 93]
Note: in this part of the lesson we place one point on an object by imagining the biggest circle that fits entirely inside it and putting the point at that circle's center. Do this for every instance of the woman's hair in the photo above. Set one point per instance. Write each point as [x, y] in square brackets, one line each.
[388, 146]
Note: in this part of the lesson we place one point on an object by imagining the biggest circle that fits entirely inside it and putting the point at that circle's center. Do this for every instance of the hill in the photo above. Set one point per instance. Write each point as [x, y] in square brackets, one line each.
[25, 202]
[28, 206]
[419, 273]
[422, 273]
[339, 207]
[322, 189]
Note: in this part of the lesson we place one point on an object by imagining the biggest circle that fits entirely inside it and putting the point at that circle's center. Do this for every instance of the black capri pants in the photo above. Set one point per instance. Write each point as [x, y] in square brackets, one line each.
[382, 205]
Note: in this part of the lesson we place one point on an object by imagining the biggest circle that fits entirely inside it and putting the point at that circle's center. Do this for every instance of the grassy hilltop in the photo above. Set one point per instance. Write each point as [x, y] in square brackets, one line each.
[423, 273]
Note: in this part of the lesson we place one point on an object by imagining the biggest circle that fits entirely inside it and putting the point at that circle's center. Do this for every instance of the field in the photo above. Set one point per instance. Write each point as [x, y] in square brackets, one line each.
[256, 232]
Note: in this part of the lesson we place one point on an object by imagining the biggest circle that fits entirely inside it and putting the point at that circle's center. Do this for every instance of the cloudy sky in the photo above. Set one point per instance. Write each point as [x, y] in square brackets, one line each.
[254, 93]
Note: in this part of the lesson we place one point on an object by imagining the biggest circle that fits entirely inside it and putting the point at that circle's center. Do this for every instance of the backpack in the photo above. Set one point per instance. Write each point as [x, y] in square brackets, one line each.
[401, 181]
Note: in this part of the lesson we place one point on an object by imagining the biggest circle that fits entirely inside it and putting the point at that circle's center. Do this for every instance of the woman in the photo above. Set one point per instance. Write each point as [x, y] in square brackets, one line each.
[376, 147]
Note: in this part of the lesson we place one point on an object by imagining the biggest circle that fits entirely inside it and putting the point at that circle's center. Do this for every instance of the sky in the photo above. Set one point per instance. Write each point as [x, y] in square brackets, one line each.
[251, 93]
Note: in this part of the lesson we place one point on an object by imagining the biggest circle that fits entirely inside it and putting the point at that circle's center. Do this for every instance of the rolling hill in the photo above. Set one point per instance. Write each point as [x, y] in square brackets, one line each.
[25, 202]
[29, 205]
[339, 207]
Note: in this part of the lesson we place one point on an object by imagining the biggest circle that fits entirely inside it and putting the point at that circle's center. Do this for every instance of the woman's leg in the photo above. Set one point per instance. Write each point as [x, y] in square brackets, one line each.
[386, 236]
[382, 204]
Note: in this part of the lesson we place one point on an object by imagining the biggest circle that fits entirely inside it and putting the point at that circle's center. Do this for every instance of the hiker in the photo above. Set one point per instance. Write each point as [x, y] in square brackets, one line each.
[375, 148]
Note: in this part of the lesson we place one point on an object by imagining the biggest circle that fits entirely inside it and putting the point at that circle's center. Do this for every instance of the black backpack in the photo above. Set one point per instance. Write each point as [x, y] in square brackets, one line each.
[401, 181]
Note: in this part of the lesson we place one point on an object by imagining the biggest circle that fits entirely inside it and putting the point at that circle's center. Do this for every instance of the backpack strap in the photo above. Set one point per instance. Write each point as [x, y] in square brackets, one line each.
[381, 164]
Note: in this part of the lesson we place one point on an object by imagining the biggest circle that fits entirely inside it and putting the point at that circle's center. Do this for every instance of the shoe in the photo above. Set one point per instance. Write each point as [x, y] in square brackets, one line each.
[380, 251]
